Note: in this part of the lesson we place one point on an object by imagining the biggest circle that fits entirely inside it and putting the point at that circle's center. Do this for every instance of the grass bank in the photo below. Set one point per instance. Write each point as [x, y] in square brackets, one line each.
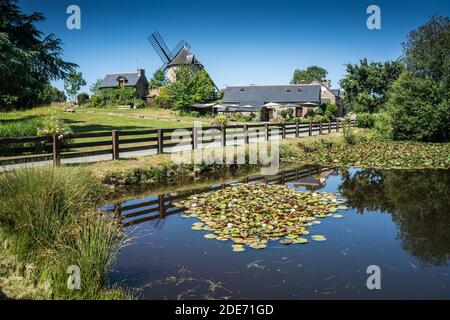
[361, 150]
[48, 223]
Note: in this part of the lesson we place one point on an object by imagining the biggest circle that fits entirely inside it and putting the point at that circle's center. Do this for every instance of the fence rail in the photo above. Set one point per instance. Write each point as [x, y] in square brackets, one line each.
[115, 143]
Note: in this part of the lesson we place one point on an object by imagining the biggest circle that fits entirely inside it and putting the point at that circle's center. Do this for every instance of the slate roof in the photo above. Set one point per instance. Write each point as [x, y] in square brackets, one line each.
[110, 80]
[257, 96]
[337, 92]
[184, 56]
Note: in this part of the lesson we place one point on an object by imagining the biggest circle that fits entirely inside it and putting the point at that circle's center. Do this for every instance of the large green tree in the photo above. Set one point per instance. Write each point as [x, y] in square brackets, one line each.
[426, 52]
[28, 59]
[419, 101]
[189, 87]
[366, 85]
[309, 74]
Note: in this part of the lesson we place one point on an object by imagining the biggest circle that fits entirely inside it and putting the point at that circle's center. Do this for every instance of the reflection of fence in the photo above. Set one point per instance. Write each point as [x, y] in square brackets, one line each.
[157, 208]
[81, 145]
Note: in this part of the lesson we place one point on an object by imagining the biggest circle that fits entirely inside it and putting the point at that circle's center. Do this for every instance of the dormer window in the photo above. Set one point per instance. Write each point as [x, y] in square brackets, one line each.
[242, 89]
[288, 90]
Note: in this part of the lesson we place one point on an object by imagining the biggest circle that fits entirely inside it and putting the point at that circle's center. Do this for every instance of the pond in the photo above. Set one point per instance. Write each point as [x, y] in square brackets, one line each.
[398, 220]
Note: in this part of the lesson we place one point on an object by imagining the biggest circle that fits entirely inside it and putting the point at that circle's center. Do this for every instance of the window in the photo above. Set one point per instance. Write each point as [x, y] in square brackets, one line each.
[242, 89]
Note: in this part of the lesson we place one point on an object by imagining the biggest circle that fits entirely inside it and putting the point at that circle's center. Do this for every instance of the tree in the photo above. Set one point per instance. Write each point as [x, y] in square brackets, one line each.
[158, 79]
[95, 87]
[419, 103]
[366, 85]
[73, 83]
[420, 109]
[426, 51]
[50, 94]
[28, 60]
[189, 87]
[311, 73]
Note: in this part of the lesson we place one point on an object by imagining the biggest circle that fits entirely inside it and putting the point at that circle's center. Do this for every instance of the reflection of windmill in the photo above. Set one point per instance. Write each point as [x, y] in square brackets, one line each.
[173, 59]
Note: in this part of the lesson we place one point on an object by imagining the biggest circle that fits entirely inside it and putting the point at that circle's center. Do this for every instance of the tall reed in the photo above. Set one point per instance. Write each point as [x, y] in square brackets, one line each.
[49, 215]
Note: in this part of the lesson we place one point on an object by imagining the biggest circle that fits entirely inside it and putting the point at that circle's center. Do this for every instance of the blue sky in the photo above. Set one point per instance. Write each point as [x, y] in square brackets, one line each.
[239, 42]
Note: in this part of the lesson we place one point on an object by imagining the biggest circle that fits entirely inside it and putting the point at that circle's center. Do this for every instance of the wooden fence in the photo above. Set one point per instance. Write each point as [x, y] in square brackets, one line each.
[114, 143]
[157, 208]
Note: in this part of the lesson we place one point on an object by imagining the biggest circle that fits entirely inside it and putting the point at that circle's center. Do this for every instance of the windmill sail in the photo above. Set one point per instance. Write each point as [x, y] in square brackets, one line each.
[160, 47]
[182, 44]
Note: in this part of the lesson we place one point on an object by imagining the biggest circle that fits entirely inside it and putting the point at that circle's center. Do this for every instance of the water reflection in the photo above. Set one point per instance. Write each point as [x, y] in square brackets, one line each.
[157, 208]
[398, 219]
[418, 202]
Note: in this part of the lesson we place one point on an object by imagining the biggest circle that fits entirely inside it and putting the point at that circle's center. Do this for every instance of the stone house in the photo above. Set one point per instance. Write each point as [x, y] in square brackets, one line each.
[136, 80]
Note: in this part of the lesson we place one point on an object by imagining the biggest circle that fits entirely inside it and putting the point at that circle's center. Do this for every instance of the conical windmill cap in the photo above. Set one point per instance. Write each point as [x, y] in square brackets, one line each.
[184, 56]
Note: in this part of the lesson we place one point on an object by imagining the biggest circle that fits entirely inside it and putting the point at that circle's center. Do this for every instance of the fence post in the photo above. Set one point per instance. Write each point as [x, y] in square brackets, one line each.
[56, 150]
[329, 126]
[283, 131]
[297, 130]
[115, 145]
[337, 125]
[310, 127]
[160, 141]
[246, 137]
[194, 138]
[320, 127]
[267, 131]
[224, 136]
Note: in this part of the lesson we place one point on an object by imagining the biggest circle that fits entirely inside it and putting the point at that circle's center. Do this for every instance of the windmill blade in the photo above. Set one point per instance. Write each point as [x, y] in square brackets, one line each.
[160, 47]
[180, 46]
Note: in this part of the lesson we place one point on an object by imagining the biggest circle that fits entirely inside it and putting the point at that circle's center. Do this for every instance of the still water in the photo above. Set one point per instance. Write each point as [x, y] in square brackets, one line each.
[398, 220]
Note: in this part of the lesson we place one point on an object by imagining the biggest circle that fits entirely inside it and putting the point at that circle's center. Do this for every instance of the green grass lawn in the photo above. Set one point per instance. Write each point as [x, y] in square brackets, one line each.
[92, 119]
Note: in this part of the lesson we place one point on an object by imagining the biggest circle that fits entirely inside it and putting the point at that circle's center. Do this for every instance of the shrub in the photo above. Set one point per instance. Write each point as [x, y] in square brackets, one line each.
[318, 112]
[287, 114]
[247, 118]
[82, 98]
[195, 114]
[310, 113]
[220, 121]
[319, 118]
[365, 120]
[350, 135]
[53, 125]
[138, 103]
[297, 120]
[383, 126]
[420, 109]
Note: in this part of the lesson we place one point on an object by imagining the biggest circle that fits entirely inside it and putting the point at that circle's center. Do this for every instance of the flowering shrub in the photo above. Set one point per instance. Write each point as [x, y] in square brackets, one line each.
[53, 125]
[220, 121]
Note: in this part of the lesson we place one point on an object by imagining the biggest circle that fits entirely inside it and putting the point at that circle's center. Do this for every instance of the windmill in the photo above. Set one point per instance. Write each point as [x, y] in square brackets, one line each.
[163, 51]
[172, 59]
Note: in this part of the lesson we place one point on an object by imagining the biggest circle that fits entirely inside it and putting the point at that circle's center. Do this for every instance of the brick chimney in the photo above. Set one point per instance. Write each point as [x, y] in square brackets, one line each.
[141, 72]
[302, 82]
[325, 82]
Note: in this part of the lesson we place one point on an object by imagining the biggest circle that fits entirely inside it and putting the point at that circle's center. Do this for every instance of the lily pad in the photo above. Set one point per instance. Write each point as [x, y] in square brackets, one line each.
[253, 214]
[300, 241]
[318, 237]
